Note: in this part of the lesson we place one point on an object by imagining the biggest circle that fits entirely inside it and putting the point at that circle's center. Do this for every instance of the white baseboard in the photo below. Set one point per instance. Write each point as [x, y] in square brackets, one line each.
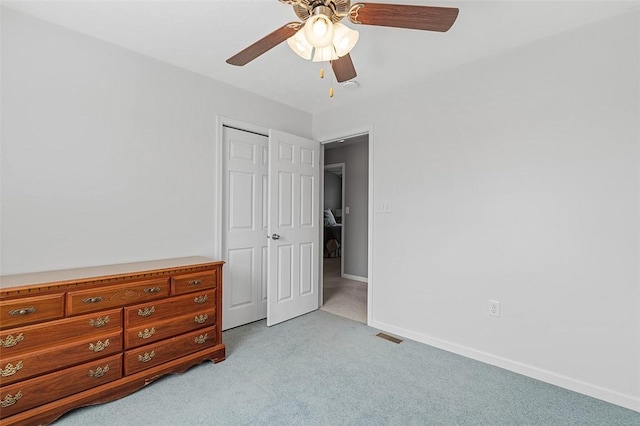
[355, 278]
[623, 400]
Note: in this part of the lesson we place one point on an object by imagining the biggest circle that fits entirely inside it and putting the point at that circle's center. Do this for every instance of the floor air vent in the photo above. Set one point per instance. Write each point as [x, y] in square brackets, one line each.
[389, 338]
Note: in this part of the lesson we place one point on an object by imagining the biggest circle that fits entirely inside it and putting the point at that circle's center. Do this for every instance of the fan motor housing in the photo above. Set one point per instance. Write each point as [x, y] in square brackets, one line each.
[304, 8]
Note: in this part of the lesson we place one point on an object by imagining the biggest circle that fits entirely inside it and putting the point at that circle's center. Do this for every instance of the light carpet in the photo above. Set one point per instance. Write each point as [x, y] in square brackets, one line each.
[322, 369]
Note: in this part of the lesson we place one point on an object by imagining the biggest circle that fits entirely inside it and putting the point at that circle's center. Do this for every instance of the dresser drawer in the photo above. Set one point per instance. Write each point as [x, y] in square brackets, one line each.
[31, 393]
[194, 282]
[82, 301]
[167, 350]
[31, 364]
[148, 313]
[31, 309]
[30, 337]
[159, 330]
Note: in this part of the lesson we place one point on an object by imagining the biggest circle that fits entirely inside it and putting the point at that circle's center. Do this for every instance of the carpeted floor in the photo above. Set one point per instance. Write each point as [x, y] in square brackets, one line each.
[322, 369]
[347, 298]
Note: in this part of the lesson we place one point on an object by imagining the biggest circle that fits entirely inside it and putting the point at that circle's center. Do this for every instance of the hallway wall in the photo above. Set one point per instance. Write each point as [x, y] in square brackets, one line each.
[356, 175]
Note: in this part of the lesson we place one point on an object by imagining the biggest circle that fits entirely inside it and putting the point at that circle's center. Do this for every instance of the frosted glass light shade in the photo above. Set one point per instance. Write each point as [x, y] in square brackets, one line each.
[344, 39]
[325, 54]
[319, 31]
[299, 44]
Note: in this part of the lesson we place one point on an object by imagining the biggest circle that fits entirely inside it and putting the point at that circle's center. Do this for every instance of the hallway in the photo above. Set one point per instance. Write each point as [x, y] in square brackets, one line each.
[347, 298]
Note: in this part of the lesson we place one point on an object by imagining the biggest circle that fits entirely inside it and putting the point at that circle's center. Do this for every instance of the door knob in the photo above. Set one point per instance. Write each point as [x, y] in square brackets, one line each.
[274, 237]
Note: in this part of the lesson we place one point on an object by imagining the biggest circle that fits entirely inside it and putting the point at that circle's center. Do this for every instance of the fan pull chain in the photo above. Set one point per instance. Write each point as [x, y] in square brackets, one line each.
[330, 81]
[321, 69]
[322, 76]
[331, 84]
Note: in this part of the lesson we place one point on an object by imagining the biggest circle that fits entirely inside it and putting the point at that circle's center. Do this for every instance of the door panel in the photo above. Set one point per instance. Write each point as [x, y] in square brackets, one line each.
[294, 199]
[307, 215]
[240, 263]
[264, 263]
[284, 276]
[241, 197]
[306, 268]
[265, 203]
[285, 199]
[245, 214]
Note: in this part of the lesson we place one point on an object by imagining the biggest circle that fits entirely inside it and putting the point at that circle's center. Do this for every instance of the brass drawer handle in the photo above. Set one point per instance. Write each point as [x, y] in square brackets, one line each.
[99, 346]
[99, 322]
[201, 299]
[96, 299]
[146, 311]
[194, 282]
[152, 290]
[201, 339]
[99, 372]
[9, 400]
[22, 311]
[147, 356]
[11, 341]
[11, 369]
[147, 333]
[199, 319]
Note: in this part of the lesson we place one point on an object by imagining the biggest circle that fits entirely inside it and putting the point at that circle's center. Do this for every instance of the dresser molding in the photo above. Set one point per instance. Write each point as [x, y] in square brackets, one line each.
[144, 285]
[53, 281]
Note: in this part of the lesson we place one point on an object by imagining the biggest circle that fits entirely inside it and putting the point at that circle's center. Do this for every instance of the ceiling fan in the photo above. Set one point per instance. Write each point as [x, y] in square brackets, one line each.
[321, 37]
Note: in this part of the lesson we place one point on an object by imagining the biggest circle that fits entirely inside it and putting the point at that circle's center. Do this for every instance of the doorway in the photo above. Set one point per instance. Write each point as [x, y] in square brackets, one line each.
[346, 227]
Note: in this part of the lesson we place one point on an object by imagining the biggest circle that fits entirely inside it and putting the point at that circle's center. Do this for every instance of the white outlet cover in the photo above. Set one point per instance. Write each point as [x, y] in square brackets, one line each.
[494, 308]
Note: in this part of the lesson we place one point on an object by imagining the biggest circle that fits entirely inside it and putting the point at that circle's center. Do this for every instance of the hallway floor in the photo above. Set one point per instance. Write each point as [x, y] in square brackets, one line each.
[347, 298]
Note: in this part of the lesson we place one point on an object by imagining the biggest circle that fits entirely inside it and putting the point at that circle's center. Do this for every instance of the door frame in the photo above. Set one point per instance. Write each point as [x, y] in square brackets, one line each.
[342, 167]
[334, 137]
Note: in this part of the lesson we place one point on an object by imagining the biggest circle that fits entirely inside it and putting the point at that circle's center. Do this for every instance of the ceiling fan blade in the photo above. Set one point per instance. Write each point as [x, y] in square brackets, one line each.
[427, 18]
[343, 68]
[266, 43]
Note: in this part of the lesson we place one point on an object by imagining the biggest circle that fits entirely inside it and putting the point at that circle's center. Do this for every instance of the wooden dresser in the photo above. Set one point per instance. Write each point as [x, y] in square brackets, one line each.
[84, 336]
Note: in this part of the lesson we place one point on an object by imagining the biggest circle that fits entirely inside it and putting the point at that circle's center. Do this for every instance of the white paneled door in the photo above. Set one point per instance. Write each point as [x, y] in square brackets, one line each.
[245, 190]
[292, 285]
[270, 227]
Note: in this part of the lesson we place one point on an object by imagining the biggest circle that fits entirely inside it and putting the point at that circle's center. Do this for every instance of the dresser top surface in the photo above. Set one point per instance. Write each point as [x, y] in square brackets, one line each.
[36, 278]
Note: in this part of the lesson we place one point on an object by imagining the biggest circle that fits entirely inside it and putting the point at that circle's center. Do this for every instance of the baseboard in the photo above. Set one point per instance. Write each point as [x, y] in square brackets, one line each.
[613, 397]
[355, 278]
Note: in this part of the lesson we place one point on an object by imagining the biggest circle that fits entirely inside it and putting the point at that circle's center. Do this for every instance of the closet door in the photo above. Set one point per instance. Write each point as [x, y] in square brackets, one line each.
[244, 239]
[294, 226]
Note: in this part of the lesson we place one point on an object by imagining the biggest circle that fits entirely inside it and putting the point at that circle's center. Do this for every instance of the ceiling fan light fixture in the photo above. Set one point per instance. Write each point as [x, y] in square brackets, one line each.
[319, 28]
[327, 53]
[344, 39]
[299, 44]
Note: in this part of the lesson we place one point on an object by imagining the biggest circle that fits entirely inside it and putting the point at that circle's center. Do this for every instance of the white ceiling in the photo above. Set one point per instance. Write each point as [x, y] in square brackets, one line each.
[201, 35]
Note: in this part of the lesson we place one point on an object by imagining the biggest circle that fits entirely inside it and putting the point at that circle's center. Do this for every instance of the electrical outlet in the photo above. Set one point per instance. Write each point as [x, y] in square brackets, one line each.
[494, 308]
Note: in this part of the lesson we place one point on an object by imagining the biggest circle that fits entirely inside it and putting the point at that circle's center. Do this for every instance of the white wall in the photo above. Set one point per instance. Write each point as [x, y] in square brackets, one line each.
[107, 155]
[516, 178]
